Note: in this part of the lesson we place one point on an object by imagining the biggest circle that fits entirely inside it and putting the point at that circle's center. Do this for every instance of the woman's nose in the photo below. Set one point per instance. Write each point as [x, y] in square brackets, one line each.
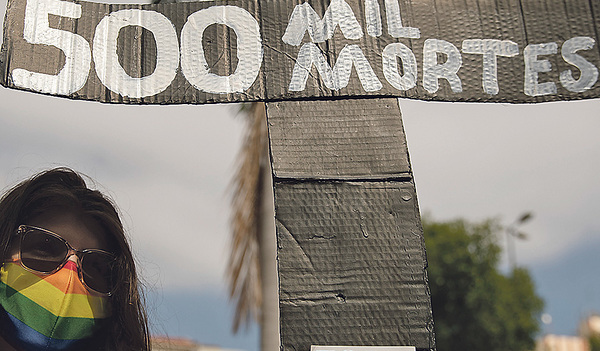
[75, 259]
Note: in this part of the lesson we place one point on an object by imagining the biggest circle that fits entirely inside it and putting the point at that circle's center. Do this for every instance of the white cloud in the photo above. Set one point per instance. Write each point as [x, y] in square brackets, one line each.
[166, 167]
[480, 160]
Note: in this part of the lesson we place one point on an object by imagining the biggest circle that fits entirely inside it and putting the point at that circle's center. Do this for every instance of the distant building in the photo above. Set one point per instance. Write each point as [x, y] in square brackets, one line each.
[162, 343]
[562, 343]
[590, 326]
[587, 328]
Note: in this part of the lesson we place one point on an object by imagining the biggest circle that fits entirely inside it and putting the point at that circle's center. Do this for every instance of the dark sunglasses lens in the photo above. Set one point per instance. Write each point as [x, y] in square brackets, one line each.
[99, 271]
[42, 252]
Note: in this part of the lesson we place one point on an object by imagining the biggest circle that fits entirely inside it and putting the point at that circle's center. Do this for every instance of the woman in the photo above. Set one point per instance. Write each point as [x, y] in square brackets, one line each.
[68, 279]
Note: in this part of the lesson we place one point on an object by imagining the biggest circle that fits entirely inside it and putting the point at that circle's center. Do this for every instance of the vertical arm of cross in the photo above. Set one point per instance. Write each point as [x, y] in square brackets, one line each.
[351, 256]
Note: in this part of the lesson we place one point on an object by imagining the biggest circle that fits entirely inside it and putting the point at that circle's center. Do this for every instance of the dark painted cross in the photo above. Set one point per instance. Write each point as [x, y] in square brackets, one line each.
[351, 255]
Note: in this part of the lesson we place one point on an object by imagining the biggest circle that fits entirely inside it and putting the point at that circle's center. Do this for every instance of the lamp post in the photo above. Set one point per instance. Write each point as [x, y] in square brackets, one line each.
[512, 233]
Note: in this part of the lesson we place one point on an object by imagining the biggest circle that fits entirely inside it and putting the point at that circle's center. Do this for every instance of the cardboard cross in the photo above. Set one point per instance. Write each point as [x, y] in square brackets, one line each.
[351, 256]
[272, 50]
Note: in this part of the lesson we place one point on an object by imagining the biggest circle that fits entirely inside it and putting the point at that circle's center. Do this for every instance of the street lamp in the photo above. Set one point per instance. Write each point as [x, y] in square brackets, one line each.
[512, 233]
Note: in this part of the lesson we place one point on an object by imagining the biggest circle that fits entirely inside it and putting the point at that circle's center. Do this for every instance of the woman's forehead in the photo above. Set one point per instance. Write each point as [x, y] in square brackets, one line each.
[79, 229]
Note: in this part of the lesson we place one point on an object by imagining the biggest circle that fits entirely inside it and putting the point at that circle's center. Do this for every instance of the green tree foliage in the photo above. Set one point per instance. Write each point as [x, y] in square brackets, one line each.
[476, 307]
[595, 343]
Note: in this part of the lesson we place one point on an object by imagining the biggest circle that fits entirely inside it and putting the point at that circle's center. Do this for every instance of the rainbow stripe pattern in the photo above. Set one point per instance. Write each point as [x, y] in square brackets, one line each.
[50, 312]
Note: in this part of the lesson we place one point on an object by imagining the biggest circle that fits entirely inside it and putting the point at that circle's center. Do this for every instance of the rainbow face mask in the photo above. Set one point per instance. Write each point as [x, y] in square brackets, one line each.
[49, 312]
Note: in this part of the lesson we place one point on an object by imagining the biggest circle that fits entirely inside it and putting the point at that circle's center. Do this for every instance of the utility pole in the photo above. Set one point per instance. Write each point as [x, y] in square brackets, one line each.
[512, 233]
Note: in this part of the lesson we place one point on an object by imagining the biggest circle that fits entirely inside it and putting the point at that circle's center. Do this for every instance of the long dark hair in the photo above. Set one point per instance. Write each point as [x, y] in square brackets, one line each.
[65, 189]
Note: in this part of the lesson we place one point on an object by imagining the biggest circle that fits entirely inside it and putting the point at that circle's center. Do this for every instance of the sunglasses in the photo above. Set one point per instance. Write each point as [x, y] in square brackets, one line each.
[45, 252]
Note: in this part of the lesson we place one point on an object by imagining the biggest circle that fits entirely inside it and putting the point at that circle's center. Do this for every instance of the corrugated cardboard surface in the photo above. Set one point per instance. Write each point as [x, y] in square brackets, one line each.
[523, 22]
[351, 265]
[133, 49]
[329, 141]
[351, 253]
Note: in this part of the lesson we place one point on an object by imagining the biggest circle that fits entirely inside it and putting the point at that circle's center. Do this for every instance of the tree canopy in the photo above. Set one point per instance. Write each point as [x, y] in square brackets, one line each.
[475, 306]
[595, 343]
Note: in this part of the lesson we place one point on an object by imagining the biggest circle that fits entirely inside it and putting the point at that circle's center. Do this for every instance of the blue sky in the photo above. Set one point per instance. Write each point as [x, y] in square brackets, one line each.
[168, 169]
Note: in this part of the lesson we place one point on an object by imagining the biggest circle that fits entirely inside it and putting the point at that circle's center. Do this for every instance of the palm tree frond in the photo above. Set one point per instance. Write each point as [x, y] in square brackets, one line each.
[244, 266]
